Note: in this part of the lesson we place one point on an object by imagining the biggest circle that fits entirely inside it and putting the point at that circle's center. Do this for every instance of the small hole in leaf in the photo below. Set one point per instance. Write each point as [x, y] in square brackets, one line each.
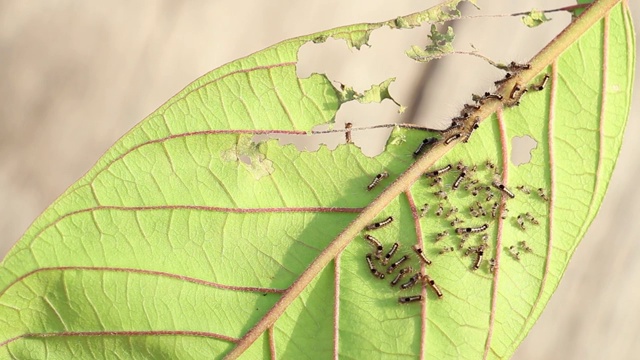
[245, 159]
[522, 146]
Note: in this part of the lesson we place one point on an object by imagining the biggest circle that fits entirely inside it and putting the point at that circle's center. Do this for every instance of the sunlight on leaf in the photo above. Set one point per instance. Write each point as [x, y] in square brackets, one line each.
[187, 238]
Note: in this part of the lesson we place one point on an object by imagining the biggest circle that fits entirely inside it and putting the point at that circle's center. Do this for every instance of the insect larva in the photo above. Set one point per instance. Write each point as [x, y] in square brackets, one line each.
[424, 210]
[451, 138]
[470, 249]
[439, 210]
[461, 177]
[540, 86]
[531, 219]
[377, 179]
[516, 96]
[517, 99]
[393, 266]
[503, 188]
[451, 211]
[390, 254]
[463, 239]
[426, 143]
[376, 244]
[485, 240]
[487, 95]
[542, 194]
[489, 165]
[475, 191]
[514, 253]
[456, 221]
[380, 224]
[492, 265]
[373, 269]
[525, 247]
[412, 281]
[401, 274]
[454, 125]
[347, 134]
[505, 79]
[474, 127]
[521, 222]
[439, 171]
[481, 209]
[437, 181]
[476, 265]
[442, 235]
[446, 249]
[524, 189]
[489, 196]
[421, 254]
[480, 253]
[441, 194]
[468, 108]
[514, 91]
[494, 209]
[470, 230]
[474, 212]
[433, 285]
[459, 120]
[515, 67]
[505, 212]
[409, 299]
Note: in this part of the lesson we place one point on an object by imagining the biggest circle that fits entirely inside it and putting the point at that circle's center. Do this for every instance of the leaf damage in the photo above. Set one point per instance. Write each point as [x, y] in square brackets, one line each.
[439, 14]
[375, 94]
[248, 153]
[535, 18]
[441, 45]
[360, 34]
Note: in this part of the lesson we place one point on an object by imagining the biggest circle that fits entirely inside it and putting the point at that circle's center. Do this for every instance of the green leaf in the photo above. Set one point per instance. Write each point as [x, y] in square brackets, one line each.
[376, 93]
[442, 44]
[191, 239]
[580, 9]
[535, 18]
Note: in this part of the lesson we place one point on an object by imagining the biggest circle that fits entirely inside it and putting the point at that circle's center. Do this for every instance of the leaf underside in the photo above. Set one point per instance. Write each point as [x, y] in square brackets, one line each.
[186, 232]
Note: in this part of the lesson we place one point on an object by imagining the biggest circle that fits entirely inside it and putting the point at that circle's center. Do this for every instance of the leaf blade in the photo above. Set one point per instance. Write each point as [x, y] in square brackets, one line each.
[326, 192]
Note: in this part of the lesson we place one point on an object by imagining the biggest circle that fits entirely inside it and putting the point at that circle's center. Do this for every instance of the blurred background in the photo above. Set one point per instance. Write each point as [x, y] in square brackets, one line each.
[77, 75]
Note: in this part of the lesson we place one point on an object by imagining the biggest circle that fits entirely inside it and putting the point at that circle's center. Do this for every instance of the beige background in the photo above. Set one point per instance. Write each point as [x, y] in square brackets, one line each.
[76, 75]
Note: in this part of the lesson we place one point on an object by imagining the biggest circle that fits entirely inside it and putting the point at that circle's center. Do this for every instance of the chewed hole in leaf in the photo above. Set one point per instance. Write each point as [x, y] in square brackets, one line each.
[370, 141]
[522, 146]
[247, 152]
[245, 159]
[304, 142]
[363, 71]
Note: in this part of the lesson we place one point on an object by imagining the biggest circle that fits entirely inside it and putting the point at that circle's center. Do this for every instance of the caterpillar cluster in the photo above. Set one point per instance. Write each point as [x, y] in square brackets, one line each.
[480, 195]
